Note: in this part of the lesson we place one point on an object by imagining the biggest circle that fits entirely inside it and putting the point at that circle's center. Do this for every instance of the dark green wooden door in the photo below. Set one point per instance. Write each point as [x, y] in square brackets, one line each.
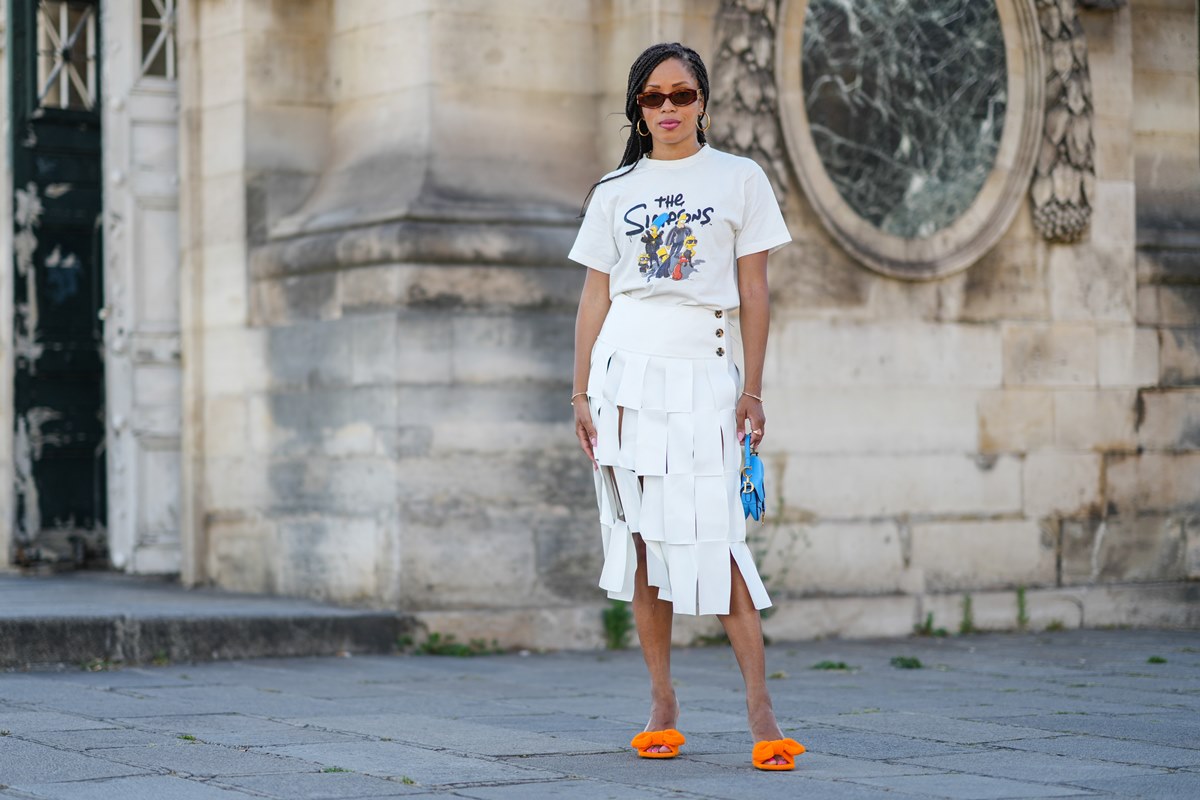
[59, 369]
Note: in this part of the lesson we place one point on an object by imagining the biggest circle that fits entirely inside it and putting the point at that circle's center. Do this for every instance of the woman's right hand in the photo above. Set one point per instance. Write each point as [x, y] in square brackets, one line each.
[584, 429]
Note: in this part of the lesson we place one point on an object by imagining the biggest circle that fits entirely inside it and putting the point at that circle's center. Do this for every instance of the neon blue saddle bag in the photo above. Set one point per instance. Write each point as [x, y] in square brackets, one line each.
[754, 492]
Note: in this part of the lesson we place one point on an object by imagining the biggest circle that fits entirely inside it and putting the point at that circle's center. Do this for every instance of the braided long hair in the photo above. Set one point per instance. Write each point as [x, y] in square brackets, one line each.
[639, 145]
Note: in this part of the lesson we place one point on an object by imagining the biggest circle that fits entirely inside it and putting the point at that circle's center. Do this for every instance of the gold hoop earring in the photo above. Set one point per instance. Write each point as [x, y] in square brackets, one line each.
[641, 123]
[707, 117]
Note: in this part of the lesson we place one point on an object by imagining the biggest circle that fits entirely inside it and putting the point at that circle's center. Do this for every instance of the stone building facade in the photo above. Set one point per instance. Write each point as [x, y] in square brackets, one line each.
[338, 317]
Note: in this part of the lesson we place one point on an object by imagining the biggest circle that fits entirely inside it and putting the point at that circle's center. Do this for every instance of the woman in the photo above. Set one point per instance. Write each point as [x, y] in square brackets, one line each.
[660, 405]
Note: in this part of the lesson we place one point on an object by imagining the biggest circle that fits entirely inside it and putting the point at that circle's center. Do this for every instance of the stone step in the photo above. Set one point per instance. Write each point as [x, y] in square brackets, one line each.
[96, 619]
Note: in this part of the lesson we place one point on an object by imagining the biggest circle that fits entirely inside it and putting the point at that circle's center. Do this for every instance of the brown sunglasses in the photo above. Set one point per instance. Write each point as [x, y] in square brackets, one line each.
[680, 97]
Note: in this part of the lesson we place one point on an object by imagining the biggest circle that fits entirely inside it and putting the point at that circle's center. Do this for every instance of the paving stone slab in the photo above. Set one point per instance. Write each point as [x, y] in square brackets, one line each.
[429, 768]
[82, 701]
[998, 706]
[982, 712]
[552, 722]
[318, 786]
[1114, 750]
[149, 787]
[236, 730]
[871, 745]
[622, 709]
[938, 729]
[1040, 767]
[969, 787]
[409, 702]
[454, 735]
[1169, 786]
[243, 699]
[474, 686]
[23, 763]
[563, 790]
[626, 768]
[757, 785]
[120, 676]
[1165, 689]
[1175, 728]
[206, 760]
[20, 722]
[99, 739]
[822, 766]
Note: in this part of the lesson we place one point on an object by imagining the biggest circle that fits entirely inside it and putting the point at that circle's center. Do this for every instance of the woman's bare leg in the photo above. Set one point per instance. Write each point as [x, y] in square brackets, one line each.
[744, 629]
[653, 618]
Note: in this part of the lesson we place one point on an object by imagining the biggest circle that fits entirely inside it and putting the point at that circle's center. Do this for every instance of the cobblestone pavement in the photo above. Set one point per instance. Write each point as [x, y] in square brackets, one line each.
[1069, 714]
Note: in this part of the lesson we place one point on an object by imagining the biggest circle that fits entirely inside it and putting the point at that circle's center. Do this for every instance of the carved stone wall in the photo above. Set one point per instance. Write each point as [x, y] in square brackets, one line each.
[375, 387]
[986, 430]
[381, 312]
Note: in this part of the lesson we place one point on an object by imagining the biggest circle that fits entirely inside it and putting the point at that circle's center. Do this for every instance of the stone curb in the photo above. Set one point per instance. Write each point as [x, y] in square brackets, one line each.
[31, 643]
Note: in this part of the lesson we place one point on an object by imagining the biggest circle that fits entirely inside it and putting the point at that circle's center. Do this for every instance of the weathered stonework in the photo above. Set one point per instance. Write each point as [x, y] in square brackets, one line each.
[378, 334]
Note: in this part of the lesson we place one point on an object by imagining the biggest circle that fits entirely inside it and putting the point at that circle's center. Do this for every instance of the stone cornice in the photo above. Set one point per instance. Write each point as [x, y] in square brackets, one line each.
[499, 242]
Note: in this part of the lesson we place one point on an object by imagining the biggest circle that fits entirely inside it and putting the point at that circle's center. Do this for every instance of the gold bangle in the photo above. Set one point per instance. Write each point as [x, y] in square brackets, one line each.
[577, 394]
[756, 397]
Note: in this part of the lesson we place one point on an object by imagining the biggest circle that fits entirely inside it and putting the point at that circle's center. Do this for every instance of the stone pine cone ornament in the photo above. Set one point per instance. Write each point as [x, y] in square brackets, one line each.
[1064, 183]
[745, 101]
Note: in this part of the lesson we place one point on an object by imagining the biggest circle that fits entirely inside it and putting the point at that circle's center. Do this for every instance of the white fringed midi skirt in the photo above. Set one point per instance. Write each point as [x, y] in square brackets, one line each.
[663, 390]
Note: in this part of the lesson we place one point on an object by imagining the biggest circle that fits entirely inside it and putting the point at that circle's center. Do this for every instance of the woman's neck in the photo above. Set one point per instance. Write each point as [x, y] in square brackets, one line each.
[674, 152]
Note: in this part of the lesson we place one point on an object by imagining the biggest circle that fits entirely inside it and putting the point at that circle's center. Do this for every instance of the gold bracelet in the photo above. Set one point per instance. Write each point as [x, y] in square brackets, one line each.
[577, 394]
[756, 397]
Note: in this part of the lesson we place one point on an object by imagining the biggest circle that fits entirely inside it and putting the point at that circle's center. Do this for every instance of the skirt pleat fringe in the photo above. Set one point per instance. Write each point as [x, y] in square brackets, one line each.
[670, 465]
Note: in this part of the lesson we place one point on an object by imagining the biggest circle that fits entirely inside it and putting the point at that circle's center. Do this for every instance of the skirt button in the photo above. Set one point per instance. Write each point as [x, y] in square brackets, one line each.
[719, 313]
[720, 351]
[720, 332]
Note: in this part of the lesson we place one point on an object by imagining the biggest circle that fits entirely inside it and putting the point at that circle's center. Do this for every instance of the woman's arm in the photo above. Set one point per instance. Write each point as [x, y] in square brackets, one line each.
[755, 317]
[593, 308]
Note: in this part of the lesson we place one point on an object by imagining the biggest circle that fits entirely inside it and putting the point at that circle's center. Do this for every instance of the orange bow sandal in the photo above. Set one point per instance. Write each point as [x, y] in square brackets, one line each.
[787, 749]
[646, 739]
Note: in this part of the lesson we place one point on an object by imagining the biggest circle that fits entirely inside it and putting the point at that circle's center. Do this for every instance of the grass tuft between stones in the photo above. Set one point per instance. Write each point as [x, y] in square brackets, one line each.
[927, 628]
[447, 644]
[906, 662]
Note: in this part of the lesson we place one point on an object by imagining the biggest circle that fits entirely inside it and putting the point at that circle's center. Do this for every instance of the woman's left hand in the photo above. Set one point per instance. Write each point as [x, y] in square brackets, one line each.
[750, 409]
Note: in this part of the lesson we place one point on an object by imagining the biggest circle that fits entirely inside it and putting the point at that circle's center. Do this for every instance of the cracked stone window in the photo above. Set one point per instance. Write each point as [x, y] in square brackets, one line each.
[906, 104]
[158, 39]
[66, 55]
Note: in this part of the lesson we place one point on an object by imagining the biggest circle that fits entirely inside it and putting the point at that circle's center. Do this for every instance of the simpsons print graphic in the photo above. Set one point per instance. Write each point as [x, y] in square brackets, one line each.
[668, 238]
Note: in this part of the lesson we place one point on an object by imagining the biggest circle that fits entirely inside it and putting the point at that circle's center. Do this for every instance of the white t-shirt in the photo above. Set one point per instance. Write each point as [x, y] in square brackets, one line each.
[673, 230]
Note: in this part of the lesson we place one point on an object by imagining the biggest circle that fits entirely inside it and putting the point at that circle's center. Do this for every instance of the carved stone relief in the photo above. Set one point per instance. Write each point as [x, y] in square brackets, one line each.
[1065, 182]
[745, 101]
